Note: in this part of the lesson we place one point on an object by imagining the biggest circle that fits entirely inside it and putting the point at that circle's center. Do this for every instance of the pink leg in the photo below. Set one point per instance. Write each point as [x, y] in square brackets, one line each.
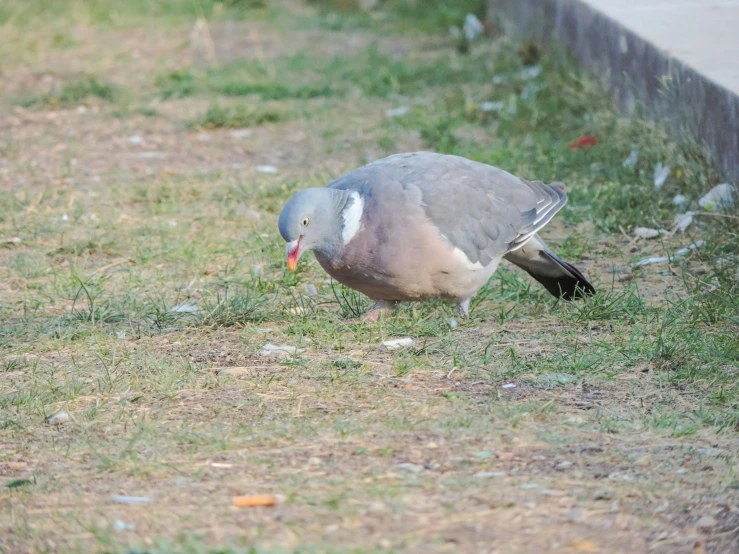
[372, 316]
[380, 307]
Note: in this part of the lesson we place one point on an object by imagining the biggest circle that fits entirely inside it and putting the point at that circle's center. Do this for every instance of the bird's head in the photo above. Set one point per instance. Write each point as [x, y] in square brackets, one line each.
[313, 220]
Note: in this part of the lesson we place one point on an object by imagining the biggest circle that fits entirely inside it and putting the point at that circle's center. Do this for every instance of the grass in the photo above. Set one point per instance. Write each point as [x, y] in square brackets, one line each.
[239, 116]
[373, 72]
[435, 16]
[74, 93]
[107, 12]
[145, 268]
[236, 79]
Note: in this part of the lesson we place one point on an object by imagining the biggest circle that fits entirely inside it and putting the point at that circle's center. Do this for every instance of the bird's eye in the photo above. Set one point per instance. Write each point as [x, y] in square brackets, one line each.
[304, 222]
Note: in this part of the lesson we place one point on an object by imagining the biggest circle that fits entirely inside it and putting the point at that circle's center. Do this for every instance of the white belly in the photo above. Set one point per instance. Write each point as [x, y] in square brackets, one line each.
[466, 278]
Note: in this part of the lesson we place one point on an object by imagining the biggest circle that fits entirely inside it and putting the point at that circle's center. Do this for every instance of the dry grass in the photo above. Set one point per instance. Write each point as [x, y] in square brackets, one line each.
[618, 436]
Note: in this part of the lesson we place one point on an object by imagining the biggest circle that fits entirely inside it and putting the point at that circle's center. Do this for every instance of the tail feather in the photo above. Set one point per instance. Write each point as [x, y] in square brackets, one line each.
[560, 278]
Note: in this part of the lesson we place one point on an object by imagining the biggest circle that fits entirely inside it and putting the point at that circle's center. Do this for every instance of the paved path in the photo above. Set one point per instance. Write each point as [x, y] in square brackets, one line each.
[679, 58]
[704, 34]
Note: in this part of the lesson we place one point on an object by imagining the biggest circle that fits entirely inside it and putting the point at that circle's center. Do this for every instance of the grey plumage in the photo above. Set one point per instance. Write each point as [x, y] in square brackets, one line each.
[431, 226]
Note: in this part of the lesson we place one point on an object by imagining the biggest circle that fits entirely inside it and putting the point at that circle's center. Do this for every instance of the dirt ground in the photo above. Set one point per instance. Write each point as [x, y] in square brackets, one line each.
[141, 274]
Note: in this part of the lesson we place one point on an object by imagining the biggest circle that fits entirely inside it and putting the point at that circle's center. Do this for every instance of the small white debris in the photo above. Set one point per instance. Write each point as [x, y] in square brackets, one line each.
[270, 169]
[682, 252]
[529, 486]
[692, 248]
[411, 468]
[396, 344]
[679, 200]
[118, 525]
[150, 155]
[185, 308]
[396, 112]
[18, 359]
[81, 109]
[509, 386]
[660, 175]
[620, 476]
[58, 419]
[64, 217]
[489, 474]
[564, 464]
[233, 371]
[727, 262]
[682, 221]
[256, 271]
[311, 290]
[281, 351]
[706, 522]
[574, 515]
[240, 133]
[556, 379]
[135, 139]
[531, 72]
[631, 159]
[122, 499]
[297, 310]
[531, 89]
[492, 106]
[453, 323]
[718, 198]
[551, 492]
[473, 27]
[13, 241]
[647, 233]
[243, 211]
[709, 451]
[654, 260]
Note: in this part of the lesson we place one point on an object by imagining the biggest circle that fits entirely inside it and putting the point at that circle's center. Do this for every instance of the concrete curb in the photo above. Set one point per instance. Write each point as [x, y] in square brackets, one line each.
[673, 93]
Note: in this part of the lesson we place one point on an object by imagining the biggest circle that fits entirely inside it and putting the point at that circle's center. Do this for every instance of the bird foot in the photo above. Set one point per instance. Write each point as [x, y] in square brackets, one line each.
[369, 317]
[380, 308]
[372, 316]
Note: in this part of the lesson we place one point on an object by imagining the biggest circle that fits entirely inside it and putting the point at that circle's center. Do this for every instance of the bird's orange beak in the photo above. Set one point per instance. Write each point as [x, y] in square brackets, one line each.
[293, 254]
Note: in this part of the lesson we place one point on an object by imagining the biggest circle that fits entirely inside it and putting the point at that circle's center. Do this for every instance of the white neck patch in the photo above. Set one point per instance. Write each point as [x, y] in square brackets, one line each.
[352, 217]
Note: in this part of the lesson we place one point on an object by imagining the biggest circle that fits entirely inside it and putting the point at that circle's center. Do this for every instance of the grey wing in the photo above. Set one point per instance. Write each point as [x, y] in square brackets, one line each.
[482, 210]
